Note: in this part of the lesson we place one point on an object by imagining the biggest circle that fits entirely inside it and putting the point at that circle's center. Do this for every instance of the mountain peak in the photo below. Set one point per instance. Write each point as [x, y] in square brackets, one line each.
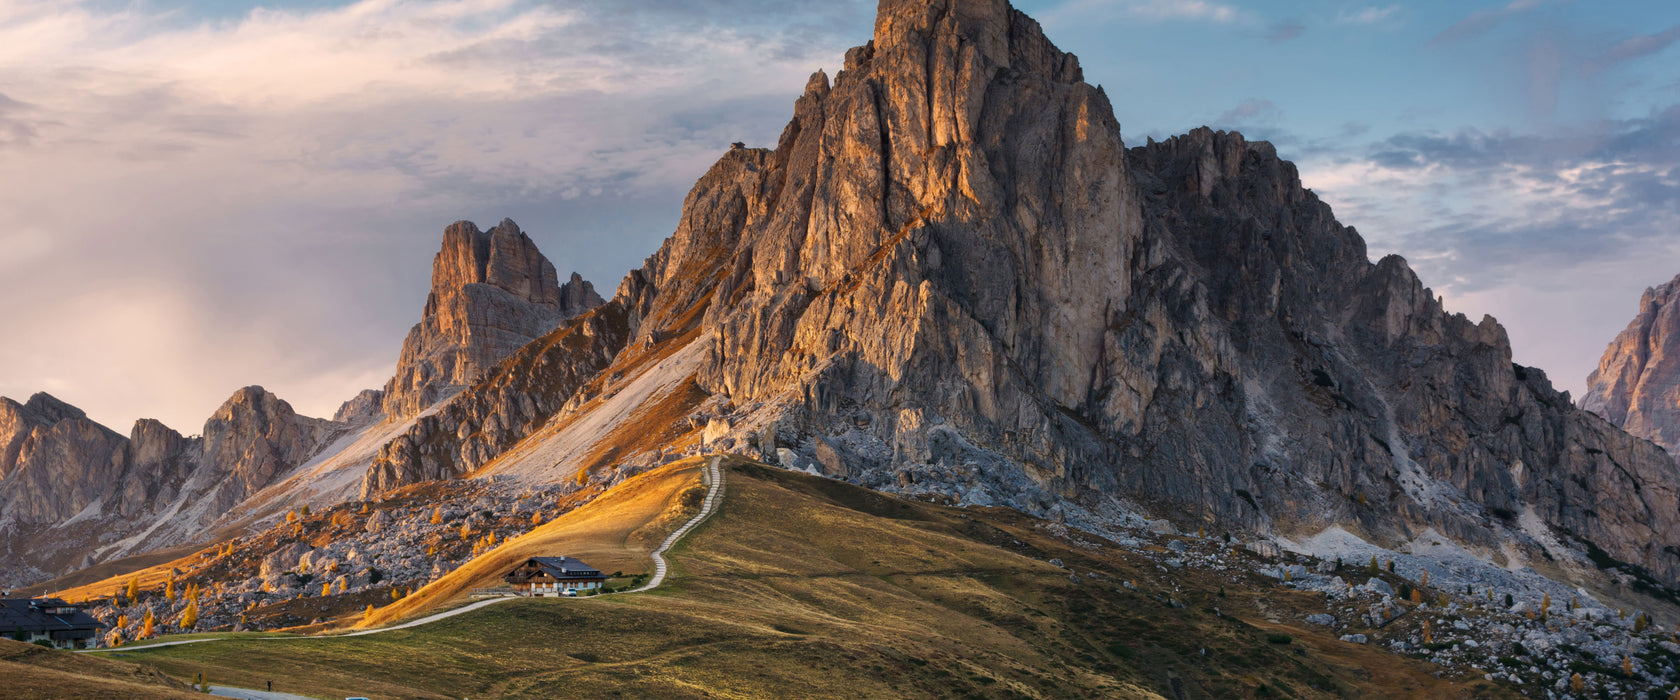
[492, 292]
[51, 409]
[1637, 383]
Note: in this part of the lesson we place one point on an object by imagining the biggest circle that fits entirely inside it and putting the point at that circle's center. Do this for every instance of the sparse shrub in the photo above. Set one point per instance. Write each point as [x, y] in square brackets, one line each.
[1279, 638]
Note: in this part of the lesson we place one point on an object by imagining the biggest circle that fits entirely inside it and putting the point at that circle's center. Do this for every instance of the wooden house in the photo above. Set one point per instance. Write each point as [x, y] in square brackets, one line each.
[49, 620]
[554, 576]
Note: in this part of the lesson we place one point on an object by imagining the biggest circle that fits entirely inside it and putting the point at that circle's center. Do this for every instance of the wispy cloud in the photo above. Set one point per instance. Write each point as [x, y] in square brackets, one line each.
[1149, 10]
[1486, 20]
[1635, 47]
[255, 200]
[1286, 32]
[1251, 111]
[1368, 15]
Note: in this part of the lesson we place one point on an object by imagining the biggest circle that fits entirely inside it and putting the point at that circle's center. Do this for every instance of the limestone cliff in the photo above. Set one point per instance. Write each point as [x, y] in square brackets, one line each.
[492, 292]
[951, 277]
[1637, 383]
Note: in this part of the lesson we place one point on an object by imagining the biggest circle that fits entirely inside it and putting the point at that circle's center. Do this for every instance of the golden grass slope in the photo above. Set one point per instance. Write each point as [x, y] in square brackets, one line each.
[615, 532]
[29, 671]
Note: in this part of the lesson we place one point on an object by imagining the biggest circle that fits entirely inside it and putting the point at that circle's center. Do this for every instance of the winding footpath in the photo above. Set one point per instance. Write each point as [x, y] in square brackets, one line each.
[714, 494]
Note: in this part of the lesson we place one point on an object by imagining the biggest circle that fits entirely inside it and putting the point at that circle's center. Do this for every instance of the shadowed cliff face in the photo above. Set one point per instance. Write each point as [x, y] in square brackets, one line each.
[1637, 383]
[950, 277]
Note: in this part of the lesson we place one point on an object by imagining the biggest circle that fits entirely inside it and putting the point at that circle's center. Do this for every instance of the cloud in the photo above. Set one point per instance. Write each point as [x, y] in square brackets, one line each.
[1546, 230]
[1248, 112]
[1635, 47]
[1368, 15]
[1286, 32]
[215, 203]
[1483, 21]
[1149, 10]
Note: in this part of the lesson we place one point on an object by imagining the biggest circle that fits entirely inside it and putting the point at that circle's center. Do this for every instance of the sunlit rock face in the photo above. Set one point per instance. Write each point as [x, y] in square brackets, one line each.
[951, 277]
[492, 292]
[70, 488]
[1637, 383]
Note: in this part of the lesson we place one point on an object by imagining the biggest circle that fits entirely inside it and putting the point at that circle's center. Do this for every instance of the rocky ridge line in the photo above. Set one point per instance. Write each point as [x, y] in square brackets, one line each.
[951, 277]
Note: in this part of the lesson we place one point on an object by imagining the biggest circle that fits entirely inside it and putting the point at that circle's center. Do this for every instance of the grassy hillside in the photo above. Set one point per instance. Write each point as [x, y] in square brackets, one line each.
[29, 671]
[614, 533]
[801, 586]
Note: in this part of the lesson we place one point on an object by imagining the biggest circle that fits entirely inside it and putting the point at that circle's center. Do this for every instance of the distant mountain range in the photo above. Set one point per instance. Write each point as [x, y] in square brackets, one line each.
[73, 493]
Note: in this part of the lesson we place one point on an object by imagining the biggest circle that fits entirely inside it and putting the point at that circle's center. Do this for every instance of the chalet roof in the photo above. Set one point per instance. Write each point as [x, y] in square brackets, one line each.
[43, 615]
[563, 567]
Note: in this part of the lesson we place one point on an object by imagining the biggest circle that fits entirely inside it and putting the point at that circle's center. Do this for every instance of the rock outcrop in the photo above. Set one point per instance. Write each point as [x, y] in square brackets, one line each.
[69, 486]
[492, 292]
[251, 440]
[365, 408]
[1637, 383]
[951, 277]
[56, 460]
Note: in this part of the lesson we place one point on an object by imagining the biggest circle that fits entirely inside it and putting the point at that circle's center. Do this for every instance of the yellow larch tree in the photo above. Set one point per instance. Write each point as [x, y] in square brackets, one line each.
[189, 618]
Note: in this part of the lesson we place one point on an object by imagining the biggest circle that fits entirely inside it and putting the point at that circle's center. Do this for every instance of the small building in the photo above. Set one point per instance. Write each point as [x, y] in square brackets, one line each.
[63, 625]
[554, 576]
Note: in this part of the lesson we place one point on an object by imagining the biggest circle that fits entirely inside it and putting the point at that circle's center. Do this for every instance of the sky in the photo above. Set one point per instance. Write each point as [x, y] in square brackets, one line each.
[205, 195]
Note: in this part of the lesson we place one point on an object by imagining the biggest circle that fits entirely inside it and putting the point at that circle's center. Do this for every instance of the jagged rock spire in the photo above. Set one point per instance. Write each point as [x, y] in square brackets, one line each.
[492, 292]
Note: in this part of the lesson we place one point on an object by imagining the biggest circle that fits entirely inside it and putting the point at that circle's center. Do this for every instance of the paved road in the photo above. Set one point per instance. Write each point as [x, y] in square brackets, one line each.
[231, 692]
[714, 494]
